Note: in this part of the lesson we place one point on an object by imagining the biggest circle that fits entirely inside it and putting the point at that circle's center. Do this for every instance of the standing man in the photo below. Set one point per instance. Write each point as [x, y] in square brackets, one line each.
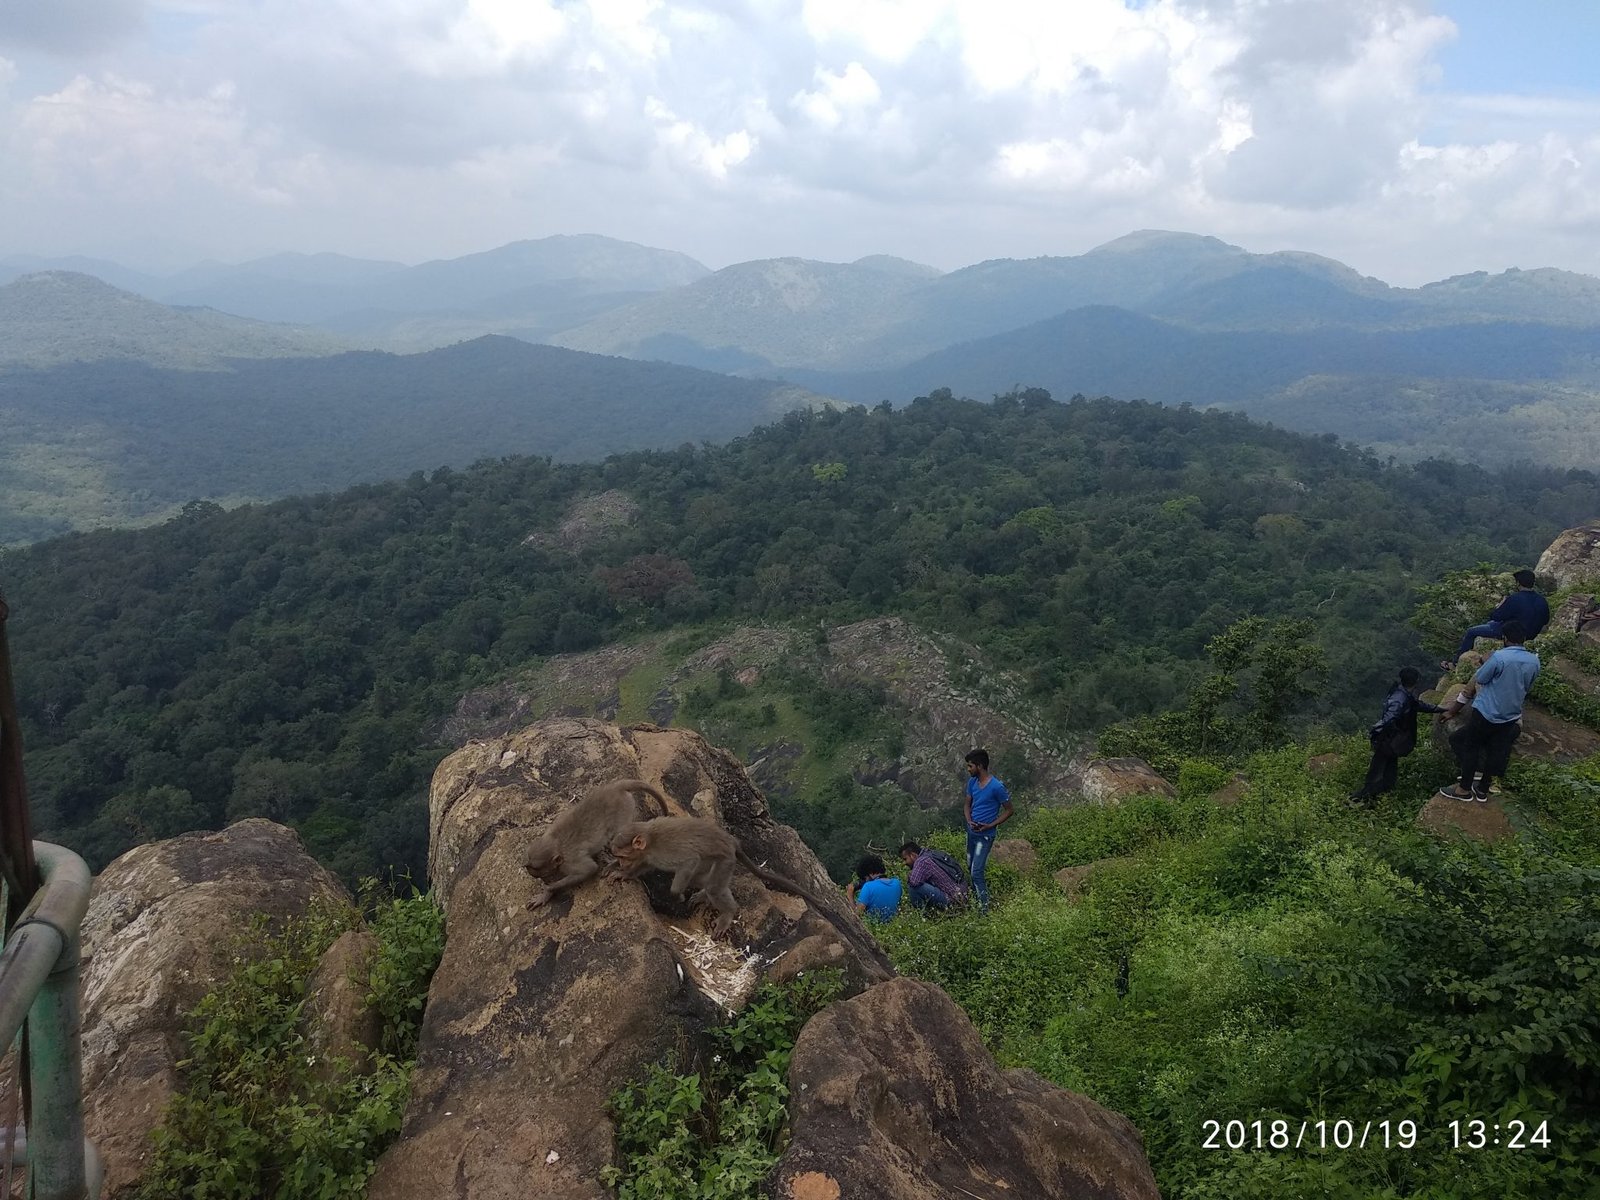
[1483, 745]
[988, 808]
[1524, 606]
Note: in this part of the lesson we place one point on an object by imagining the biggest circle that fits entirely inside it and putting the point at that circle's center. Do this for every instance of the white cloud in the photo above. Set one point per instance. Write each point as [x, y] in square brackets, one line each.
[943, 129]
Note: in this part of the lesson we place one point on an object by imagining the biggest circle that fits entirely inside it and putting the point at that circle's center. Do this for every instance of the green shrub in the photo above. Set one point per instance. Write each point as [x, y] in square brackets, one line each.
[716, 1133]
[255, 1118]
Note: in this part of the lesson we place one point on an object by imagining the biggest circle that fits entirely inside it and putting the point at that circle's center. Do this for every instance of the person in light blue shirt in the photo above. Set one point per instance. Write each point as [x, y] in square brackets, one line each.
[988, 807]
[877, 898]
[1483, 745]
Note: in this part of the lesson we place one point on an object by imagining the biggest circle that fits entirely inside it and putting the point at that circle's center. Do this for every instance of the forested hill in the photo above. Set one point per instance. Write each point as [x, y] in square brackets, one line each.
[285, 660]
[114, 442]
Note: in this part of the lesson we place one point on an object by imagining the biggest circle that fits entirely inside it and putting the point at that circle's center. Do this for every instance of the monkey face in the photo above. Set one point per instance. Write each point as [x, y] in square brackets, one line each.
[628, 849]
[543, 857]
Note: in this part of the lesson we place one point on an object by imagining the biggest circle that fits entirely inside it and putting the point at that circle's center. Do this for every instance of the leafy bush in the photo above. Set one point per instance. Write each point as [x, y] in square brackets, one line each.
[256, 1117]
[1289, 958]
[716, 1133]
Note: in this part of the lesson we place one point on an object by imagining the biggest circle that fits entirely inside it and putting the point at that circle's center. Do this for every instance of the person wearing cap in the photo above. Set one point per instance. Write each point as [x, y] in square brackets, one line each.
[1524, 605]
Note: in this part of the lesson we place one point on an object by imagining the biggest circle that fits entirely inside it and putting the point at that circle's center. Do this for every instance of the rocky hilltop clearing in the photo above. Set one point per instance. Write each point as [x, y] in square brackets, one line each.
[878, 708]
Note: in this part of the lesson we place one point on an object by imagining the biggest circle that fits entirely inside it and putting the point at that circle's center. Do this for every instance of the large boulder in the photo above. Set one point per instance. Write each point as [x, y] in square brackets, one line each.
[1113, 780]
[1016, 853]
[1574, 557]
[535, 1019]
[893, 1096]
[162, 931]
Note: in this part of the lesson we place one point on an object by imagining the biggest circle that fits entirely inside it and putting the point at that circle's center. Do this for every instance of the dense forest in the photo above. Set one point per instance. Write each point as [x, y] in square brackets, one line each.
[293, 660]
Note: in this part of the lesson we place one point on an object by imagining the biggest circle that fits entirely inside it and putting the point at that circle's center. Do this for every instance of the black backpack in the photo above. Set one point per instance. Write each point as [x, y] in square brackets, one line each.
[950, 866]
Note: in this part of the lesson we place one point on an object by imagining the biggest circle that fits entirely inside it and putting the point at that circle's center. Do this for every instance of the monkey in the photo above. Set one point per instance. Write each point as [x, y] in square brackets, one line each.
[577, 838]
[701, 854]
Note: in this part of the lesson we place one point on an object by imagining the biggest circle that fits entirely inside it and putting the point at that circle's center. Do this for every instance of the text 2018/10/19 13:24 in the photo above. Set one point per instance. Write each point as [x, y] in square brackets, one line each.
[1346, 1134]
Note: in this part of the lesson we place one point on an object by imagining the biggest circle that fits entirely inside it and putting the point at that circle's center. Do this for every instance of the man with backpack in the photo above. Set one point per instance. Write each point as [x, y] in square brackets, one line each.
[936, 880]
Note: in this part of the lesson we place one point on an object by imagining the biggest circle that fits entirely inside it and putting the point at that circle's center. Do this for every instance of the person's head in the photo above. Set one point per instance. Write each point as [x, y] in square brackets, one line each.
[1524, 578]
[909, 852]
[1410, 677]
[977, 762]
[870, 867]
[1513, 633]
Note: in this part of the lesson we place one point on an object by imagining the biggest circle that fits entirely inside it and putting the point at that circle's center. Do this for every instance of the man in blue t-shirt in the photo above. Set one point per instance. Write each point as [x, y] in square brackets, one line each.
[877, 898]
[1483, 745]
[988, 808]
[1525, 606]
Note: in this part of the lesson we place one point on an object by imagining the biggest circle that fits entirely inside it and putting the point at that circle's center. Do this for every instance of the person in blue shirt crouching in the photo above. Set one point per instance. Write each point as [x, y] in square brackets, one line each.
[988, 808]
[877, 898]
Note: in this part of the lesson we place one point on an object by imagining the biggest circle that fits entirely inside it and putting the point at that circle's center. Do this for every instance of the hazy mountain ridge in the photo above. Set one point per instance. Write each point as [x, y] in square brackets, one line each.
[59, 317]
[1417, 392]
[1195, 281]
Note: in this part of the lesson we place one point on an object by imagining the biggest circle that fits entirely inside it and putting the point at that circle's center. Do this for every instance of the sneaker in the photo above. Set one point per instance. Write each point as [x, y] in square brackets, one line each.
[1480, 797]
[1454, 792]
[1447, 664]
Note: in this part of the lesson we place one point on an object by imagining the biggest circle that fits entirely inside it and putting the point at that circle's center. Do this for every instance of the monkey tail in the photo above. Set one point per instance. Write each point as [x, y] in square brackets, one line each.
[873, 953]
[648, 789]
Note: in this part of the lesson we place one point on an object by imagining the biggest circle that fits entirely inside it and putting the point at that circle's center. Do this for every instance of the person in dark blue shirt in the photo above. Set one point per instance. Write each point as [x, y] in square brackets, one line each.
[878, 897]
[1394, 736]
[988, 808]
[1524, 606]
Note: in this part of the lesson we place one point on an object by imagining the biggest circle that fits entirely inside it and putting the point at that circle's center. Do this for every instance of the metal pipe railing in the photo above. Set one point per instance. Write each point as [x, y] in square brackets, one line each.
[39, 984]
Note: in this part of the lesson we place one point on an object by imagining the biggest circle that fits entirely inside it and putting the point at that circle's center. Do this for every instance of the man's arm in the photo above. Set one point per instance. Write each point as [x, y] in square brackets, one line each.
[970, 825]
[919, 871]
[1005, 815]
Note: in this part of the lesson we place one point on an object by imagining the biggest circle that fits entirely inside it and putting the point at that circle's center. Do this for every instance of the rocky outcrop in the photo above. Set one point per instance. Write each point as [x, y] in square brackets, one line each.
[535, 1018]
[161, 932]
[1113, 780]
[938, 719]
[893, 1096]
[342, 1029]
[1486, 822]
[1016, 853]
[1074, 880]
[1573, 558]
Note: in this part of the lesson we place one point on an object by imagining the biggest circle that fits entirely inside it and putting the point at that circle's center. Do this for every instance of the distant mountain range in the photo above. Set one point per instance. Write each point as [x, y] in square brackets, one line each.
[1295, 338]
[526, 288]
[108, 442]
[788, 313]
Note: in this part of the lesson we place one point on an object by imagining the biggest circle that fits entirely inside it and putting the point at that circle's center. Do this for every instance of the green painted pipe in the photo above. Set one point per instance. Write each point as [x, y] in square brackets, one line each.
[39, 979]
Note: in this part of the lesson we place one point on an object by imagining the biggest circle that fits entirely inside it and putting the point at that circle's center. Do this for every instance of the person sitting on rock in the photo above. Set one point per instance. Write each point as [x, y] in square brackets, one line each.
[1394, 736]
[1483, 744]
[935, 881]
[1524, 606]
[877, 898]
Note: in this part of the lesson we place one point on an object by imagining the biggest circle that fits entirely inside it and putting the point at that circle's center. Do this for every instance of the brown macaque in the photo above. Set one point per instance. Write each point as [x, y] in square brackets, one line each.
[701, 854]
[575, 841]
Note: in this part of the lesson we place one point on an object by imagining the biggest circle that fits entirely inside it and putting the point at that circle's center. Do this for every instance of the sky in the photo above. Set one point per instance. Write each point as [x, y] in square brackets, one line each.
[1411, 139]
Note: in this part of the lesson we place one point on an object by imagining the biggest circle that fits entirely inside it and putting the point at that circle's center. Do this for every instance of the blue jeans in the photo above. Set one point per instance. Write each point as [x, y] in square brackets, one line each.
[978, 847]
[1489, 629]
[926, 893]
